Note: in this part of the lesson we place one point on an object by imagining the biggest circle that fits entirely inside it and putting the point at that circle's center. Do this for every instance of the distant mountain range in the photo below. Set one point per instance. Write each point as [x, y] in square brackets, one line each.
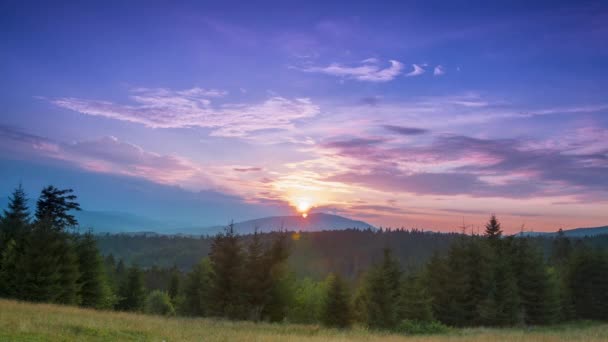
[314, 222]
[573, 233]
[112, 222]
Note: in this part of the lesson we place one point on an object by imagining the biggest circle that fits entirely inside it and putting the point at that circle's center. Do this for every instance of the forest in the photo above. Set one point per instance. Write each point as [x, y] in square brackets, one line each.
[400, 281]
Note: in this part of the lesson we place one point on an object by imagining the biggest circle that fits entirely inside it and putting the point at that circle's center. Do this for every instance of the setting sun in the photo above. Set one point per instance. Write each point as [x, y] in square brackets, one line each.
[303, 207]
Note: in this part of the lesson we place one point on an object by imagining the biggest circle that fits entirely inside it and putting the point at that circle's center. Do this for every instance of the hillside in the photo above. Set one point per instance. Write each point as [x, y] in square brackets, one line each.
[572, 233]
[313, 222]
[21, 321]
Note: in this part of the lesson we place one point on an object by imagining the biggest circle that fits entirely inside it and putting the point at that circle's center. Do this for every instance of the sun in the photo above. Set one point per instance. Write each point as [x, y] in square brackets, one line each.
[303, 207]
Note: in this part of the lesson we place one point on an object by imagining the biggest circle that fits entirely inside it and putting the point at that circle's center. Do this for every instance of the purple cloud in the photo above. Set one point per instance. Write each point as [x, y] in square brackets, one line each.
[405, 130]
[164, 108]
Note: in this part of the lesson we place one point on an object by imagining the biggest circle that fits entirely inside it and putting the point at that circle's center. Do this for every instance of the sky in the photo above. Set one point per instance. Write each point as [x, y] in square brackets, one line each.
[421, 114]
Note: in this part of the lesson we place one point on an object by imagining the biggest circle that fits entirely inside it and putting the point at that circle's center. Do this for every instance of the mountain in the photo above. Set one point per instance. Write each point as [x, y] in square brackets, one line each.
[118, 222]
[314, 222]
[572, 233]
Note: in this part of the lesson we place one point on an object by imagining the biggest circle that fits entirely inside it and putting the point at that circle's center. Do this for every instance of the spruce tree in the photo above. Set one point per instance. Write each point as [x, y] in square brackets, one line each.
[493, 231]
[38, 270]
[9, 287]
[174, 284]
[536, 288]
[459, 306]
[257, 278]
[93, 281]
[383, 287]
[197, 290]
[56, 204]
[226, 258]
[587, 284]
[436, 280]
[16, 219]
[561, 250]
[337, 310]
[69, 274]
[281, 289]
[132, 294]
[416, 303]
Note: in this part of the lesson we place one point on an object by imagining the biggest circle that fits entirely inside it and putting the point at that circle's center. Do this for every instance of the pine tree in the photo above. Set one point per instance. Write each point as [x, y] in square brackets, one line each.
[196, 290]
[258, 281]
[226, 258]
[337, 310]
[174, 281]
[560, 253]
[9, 287]
[587, 284]
[69, 274]
[38, 270]
[383, 287]
[56, 205]
[281, 284]
[493, 231]
[132, 292]
[416, 303]
[459, 307]
[16, 219]
[94, 290]
[535, 286]
[503, 295]
[436, 280]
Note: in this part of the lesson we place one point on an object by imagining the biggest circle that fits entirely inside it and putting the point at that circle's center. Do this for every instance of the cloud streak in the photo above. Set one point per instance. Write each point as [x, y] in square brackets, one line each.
[418, 70]
[163, 108]
[369, 71]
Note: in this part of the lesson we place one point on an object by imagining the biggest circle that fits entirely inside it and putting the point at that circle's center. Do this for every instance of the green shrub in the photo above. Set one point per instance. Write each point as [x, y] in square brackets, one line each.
[159, 303]
[413, 327]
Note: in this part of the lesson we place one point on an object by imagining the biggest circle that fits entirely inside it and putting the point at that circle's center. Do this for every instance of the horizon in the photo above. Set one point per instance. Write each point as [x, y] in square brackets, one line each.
[412, 115]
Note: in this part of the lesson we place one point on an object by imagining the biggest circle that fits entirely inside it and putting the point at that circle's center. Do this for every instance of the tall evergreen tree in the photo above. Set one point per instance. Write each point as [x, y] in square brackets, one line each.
[436, 280]
[416, 303]
[587, 284]
[9, 286]
[197, 290]
[459, 306]
[280, 294]
[383, 287]
[16, 219]
[257, 278]
[132, 292]
[69, 274]
[56, 204]
[38, 270]
[174, 284]
[561, 250]
[493, 231]
[536, 288]
[337, 310]
[94, 289]
[226, 258]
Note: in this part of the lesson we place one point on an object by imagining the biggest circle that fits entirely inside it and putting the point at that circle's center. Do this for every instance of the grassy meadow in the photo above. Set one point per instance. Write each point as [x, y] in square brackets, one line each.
[21, 321]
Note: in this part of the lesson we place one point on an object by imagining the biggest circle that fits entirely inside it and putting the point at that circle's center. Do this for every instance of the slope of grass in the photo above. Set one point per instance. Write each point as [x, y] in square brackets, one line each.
[43, 322]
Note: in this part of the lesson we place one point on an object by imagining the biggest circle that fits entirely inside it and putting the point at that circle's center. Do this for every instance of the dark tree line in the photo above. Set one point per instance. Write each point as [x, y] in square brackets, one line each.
[41, 261]
[479, 280]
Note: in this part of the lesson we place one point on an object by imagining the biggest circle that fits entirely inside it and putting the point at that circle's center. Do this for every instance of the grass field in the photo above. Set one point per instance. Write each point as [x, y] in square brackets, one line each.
[42, 322]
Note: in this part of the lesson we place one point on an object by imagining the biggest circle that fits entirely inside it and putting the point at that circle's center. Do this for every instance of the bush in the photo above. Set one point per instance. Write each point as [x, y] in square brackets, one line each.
[412, 327]
[159, 303]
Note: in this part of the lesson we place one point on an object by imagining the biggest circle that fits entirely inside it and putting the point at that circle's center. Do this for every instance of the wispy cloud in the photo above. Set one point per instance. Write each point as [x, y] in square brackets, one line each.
[369, 70]
[439, 70]
[164, 108]
[418, 70]
[109, 155]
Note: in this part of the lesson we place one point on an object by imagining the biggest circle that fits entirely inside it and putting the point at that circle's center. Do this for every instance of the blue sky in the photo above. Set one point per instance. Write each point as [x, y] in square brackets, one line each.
[406, 114]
